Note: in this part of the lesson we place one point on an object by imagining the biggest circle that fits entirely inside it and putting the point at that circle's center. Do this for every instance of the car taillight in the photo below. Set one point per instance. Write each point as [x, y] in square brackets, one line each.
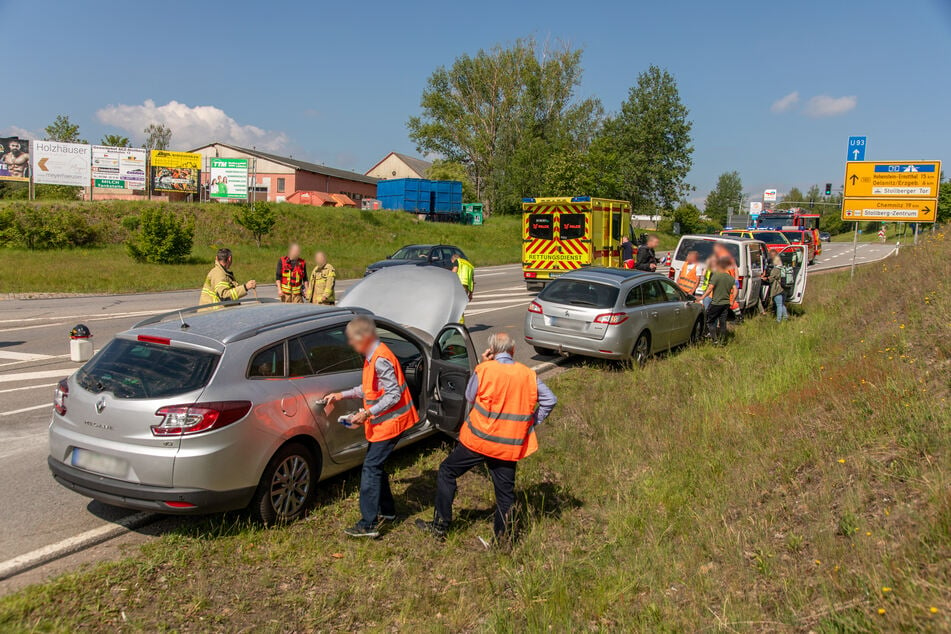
[165, 341]
[59, 397]
[611, 319]
[536, 308]
[185, 420]
[530, 275]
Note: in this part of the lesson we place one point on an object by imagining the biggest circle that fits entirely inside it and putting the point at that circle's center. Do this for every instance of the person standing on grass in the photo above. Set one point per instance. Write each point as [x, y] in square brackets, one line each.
[387, 412]
[291, 276]
[320, 290]
[719, 290]
[646, 256]
[508, 402]
[220, 285]
[777, 293]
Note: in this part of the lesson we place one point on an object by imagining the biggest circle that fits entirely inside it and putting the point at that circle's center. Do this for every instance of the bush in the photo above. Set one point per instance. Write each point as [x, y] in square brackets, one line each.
[163, 237]
[258, 218]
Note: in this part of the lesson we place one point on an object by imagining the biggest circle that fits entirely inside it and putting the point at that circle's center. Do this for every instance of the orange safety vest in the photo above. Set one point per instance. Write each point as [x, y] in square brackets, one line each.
[400, 417]
[292, 277]
[689, 279]
[501, 423]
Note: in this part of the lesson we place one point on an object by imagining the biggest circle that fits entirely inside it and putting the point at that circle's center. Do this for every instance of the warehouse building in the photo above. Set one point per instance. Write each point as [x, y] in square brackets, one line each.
[396, 165]
[277, 177]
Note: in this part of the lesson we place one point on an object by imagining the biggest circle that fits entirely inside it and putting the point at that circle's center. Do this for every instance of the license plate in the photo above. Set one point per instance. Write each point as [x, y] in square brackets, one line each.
[98, 463]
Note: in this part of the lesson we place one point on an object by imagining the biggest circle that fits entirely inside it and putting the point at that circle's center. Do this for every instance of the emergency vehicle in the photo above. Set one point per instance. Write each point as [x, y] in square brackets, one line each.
[563, 234]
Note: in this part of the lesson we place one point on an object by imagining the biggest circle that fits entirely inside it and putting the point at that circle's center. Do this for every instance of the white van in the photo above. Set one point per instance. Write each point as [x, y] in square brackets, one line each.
[751, 258]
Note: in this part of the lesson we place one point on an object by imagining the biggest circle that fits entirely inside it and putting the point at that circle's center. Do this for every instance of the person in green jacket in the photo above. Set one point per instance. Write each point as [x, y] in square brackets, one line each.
[466, 272]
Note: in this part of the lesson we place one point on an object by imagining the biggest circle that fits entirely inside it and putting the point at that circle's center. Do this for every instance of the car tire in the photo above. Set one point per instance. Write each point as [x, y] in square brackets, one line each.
[696, 335]
[545, 352]
[642, 349]
[287, 486]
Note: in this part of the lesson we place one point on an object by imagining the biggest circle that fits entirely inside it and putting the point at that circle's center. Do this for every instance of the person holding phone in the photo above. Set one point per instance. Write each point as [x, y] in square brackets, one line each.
[508, 402]
[387, 412]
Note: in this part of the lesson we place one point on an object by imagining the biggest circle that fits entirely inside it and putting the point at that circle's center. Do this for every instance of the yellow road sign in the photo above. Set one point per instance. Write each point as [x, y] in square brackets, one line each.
[892, 179]
[889, 210]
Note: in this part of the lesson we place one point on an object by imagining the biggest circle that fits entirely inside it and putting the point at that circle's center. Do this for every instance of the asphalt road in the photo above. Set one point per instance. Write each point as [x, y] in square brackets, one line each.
[33, 358]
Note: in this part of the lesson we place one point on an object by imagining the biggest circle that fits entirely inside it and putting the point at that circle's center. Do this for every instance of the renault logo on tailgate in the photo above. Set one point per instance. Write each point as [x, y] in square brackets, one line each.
[100, 405]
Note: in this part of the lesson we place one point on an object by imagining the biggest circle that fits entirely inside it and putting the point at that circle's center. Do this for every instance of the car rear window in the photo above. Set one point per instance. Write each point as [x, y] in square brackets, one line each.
[580, 293]
[136, 369]
[704, 248]
[793, 236]
[540, 226]
[770, 237]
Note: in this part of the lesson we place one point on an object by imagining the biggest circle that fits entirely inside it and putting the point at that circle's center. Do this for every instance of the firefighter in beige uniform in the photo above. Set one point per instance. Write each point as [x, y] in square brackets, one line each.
[320, 290]
[220, 285]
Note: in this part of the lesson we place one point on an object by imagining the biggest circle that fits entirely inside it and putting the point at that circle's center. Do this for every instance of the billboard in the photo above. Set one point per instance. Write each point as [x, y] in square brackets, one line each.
[118, 167]
[175, 171]
[14, 159]
[56, 163]
[228, 178]
[770, 195]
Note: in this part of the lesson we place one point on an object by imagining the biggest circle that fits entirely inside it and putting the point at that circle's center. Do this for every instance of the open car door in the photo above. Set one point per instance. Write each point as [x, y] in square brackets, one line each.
[452, 362]
[796, 256]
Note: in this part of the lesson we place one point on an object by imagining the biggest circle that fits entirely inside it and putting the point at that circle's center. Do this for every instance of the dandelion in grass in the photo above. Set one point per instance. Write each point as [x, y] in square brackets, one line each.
[818, 562]
[933, 610]
[868, 533]
[886, 589]
[841, 460]
[881, 610]
[902, 326]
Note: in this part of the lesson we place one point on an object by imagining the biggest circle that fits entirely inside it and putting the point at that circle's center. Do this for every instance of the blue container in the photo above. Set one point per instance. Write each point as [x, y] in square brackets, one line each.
[420, 195]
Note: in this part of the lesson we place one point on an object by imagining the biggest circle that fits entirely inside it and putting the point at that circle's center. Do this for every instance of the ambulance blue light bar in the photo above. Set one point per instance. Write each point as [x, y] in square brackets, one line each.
[528, 200]
[581, 199]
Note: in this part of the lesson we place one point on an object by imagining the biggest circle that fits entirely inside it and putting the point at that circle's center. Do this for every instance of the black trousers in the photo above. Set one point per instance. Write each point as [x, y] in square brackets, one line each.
[716, 320]
[461, 460]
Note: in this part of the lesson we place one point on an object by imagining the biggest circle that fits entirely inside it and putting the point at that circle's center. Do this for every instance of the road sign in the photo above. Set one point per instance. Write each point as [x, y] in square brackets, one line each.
[856, 148]
[888, 210]
[769, 195]
[891, 179]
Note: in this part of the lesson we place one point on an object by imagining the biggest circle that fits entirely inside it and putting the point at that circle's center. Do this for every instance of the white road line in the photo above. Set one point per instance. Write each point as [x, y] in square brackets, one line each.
[492, 310]
[23, 356]
[73, 544]
[28, 387]
[26, 409]
[29, 376]
[508, 300]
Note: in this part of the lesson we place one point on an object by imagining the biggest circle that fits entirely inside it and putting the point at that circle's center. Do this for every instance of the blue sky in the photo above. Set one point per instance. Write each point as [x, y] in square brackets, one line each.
[335, 82]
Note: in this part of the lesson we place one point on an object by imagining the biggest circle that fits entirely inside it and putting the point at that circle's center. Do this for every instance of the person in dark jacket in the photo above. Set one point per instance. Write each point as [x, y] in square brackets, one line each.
[627, 253]
[646, 258]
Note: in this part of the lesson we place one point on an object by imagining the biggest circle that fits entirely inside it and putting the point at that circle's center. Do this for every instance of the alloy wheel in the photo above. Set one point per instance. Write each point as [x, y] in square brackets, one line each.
[290, 486]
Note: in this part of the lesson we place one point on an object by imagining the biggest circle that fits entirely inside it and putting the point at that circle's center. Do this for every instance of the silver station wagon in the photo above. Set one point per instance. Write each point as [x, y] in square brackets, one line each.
[202, 411]
[612, 314]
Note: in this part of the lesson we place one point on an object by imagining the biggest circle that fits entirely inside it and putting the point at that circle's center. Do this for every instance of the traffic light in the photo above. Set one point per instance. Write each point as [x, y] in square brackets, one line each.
[828, 189]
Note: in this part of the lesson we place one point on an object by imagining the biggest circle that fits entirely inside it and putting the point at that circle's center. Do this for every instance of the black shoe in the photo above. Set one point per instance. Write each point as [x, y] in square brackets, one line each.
[434, 529]
[380, 519]
[359, 531]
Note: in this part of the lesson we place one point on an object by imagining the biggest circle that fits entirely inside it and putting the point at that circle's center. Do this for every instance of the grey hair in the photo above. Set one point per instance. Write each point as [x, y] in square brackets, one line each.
[361, 325]
[501, 343]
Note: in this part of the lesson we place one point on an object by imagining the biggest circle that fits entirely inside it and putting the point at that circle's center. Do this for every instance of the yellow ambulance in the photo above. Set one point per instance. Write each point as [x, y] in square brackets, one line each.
[563, 234]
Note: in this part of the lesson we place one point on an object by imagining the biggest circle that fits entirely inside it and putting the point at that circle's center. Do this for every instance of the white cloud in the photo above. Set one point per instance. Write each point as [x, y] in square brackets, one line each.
[826, 106]
[785, 103]
[23, 133]
[191, 126]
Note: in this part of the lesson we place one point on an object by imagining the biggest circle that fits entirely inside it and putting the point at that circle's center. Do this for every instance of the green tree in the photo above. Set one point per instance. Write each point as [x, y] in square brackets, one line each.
[63, 130]
[812, 197]
[258, 218]
[115, 140]
[944, 203]
[685, 218]
[158, 136]
[442, 170]
[727, 193]
[569, 173]
[794, 198]
[163, 237]
[645, 152]
[502, 114]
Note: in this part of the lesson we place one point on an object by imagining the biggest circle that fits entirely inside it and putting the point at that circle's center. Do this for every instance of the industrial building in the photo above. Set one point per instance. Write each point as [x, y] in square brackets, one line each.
[396, 165]
[277, 177]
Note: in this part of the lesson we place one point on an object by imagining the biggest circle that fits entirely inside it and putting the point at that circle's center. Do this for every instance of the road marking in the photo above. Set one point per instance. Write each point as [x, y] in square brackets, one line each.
[29, 376]
[28, 387]
[492, 310]
[23, 356]
[25, 409]
[509, 300]
[137, 313]
[73, 544]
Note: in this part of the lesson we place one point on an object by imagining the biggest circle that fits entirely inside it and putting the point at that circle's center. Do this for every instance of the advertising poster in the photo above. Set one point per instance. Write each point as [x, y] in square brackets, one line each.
[175, 171]
[118, 167]
[56, 163]
[14, 159]
[228, 178]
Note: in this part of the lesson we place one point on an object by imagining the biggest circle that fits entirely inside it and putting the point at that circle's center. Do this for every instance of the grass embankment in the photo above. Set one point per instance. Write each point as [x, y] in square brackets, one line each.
[796, 480]
[893, 232]
[351, 238]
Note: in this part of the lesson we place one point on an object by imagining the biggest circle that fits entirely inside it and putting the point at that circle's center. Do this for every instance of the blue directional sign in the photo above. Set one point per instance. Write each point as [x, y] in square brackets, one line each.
[856, 148]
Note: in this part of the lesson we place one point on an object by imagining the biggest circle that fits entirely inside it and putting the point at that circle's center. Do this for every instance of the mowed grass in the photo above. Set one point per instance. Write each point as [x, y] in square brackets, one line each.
[796, 480]
[351, 238]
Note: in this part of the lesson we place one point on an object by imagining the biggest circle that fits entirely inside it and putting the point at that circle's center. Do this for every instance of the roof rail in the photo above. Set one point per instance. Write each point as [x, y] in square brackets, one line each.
[297, 319]
[191, 310]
